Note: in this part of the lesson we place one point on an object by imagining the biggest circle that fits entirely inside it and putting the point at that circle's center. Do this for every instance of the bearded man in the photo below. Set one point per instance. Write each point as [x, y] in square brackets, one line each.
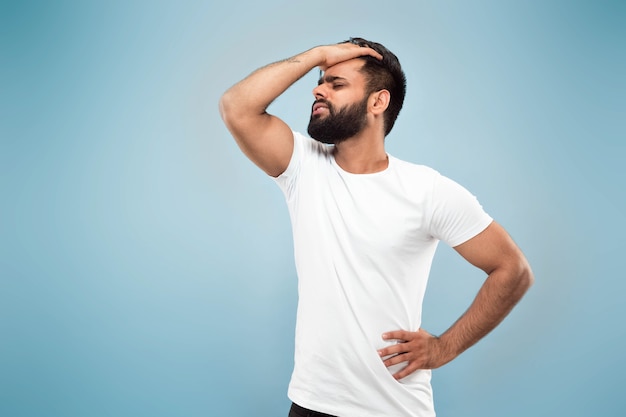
[365, 229]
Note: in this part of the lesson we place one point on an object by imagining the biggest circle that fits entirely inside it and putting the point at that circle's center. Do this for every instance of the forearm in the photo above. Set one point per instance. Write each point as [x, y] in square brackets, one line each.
[255, 93]
[501, 291]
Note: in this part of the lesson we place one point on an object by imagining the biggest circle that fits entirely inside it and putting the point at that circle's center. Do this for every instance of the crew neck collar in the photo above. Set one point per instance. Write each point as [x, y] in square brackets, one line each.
[381, 172]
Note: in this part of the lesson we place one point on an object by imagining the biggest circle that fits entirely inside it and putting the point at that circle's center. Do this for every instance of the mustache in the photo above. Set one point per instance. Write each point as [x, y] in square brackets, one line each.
[322, 101]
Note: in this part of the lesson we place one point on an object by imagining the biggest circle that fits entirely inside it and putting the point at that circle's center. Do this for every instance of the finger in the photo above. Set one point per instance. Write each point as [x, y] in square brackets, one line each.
[391, 350]
[364, 47]
[400, 335]
[397, 349]
[374, 54]
[396, 359]
[406, 371]
[366, 50]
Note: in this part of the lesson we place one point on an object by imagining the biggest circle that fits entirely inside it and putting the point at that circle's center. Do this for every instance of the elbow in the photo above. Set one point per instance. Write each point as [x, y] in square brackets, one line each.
[226, 107]
[516, 275]
[235, 112]
[525, 276]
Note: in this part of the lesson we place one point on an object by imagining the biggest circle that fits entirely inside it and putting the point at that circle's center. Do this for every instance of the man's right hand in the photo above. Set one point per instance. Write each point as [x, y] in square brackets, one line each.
[334, 54]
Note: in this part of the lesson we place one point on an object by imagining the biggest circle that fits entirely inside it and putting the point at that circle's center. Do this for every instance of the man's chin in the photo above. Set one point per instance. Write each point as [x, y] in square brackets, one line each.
[325, 139]
[318, 117]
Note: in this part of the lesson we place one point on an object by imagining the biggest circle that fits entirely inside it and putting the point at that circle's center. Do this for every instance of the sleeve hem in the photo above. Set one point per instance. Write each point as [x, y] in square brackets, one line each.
[473, 232]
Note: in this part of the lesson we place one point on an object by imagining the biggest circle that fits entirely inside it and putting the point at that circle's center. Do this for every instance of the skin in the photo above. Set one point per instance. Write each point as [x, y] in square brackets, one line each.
[508, 278]
[268, 142]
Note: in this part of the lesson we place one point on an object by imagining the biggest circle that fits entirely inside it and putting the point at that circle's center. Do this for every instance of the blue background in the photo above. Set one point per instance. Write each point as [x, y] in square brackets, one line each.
[146, 265]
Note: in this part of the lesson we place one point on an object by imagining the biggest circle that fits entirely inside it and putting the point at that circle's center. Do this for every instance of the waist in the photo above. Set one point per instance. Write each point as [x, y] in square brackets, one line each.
[297, 411]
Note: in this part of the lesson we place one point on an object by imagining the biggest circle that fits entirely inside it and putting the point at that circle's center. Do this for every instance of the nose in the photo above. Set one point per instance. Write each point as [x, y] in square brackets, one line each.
[319, 91]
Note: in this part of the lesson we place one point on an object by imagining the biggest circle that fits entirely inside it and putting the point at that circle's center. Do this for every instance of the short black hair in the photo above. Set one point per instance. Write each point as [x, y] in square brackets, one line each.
[385, 74]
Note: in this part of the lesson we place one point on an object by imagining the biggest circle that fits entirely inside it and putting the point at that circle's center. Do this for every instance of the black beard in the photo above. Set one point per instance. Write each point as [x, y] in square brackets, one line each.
[338, 126]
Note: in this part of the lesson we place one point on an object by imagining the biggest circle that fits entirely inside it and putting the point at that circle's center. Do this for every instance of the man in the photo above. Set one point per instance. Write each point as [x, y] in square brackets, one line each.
[365, 228]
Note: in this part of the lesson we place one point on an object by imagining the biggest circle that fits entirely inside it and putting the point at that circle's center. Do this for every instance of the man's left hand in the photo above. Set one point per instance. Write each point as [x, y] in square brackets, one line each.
[421, 350]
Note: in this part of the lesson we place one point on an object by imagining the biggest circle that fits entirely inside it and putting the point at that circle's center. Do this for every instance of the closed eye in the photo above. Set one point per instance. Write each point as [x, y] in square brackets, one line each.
[336, 82]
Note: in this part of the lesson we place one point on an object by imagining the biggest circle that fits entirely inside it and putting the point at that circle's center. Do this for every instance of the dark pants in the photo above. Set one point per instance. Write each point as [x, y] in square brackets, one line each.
[297, 411]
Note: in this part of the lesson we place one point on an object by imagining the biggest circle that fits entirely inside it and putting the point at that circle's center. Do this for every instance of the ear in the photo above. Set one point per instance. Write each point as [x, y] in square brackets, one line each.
[379, 101]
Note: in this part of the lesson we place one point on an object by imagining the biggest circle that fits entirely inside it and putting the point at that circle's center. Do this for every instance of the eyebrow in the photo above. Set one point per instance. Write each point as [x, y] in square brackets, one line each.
[329, 79]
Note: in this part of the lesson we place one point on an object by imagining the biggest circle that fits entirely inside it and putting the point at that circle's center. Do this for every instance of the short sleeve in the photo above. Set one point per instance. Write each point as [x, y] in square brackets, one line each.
[456, 215]
[287, 180]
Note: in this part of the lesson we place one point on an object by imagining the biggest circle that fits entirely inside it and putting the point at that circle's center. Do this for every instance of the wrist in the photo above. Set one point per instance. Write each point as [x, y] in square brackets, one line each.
[445, 348]
[312, 58]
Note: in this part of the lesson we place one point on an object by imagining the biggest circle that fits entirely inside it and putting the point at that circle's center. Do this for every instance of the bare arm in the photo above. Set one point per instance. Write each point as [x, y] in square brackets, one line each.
[509, 277]
[264, 138]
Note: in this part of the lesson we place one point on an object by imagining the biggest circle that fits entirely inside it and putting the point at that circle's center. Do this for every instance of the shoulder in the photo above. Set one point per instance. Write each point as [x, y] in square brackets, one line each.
[427, 176]
[413, 168]
[308, 145]
[415, 174]
[307, 153]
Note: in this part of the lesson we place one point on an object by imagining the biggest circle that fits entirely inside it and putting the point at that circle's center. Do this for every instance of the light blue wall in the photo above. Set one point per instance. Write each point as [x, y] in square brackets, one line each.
[146, 266]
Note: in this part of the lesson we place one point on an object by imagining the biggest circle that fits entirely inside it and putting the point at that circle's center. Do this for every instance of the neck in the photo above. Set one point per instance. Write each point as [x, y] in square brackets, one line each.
[362, 154]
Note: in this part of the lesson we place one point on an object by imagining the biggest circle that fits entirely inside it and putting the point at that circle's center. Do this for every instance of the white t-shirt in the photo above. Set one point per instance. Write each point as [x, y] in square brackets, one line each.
[364, 245]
